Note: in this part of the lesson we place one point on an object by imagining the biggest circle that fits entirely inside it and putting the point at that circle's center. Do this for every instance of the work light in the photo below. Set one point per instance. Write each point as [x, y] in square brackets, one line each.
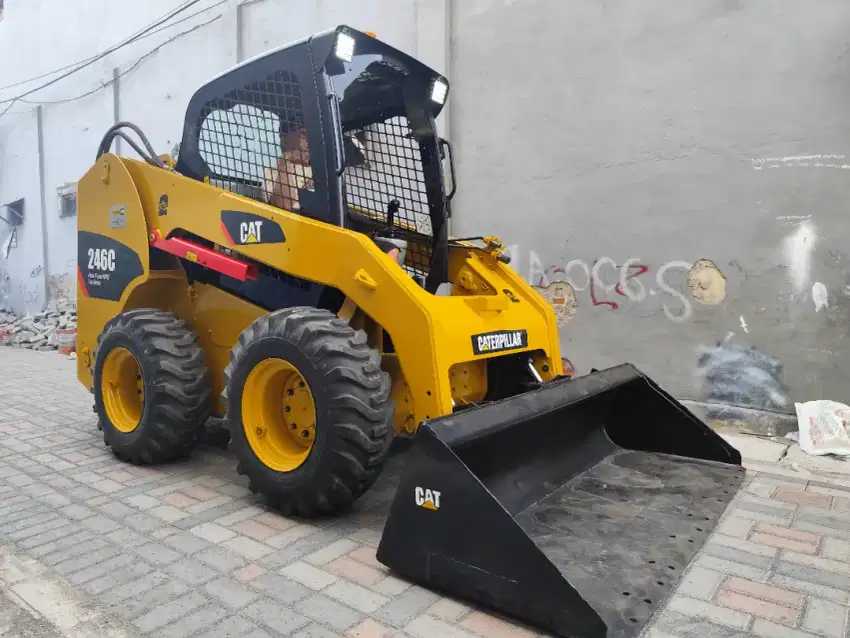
[344, 47]
[439, 91]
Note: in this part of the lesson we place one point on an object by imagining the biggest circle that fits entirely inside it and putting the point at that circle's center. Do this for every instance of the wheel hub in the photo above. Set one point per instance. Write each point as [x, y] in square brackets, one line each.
[278, 415]
[123, 390]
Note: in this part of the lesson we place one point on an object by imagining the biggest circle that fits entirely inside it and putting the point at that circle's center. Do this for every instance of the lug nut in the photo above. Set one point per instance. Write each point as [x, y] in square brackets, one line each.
[294, 426]
[287, 409]
[300, 384]
[304, 434]
[259, 431]
[290, 392]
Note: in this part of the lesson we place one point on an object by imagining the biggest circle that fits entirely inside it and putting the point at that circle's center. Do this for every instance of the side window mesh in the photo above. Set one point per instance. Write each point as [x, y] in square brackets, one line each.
[390, 168]
[254, 141]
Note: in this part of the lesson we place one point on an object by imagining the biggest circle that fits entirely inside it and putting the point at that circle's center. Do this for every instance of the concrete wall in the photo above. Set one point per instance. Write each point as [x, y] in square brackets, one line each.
[672, 176]
[19, 179]
[694, 153]
[156, 77]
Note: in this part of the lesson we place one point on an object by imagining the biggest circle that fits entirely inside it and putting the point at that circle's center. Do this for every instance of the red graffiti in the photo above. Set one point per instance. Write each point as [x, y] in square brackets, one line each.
[550, 272]
[637, 271]
[633, 270]
[612, 304]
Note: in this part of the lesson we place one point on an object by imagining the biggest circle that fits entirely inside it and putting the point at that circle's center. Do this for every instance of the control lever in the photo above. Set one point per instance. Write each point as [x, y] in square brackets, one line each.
[392, 209]
[395, 247]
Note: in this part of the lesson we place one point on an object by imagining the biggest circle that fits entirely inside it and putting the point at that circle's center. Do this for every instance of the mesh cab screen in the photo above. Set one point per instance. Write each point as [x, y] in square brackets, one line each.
[389, 167]
[254, 141]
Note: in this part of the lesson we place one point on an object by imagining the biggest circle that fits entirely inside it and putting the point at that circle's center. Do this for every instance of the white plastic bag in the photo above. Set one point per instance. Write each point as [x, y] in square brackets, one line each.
[823, 427]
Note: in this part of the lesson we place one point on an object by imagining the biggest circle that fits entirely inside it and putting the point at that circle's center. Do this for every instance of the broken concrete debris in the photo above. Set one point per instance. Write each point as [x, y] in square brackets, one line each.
[53, 329]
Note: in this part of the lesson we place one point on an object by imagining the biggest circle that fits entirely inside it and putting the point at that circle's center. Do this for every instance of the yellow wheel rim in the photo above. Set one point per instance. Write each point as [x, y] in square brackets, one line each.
[123, 390]
[278, 415]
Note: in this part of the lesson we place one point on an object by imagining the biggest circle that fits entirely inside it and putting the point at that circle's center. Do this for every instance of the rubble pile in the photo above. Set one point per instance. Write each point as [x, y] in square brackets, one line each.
[53, 329]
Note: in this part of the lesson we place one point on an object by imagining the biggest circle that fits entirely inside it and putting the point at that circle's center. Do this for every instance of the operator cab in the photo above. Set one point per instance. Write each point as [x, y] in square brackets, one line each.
[339, 127]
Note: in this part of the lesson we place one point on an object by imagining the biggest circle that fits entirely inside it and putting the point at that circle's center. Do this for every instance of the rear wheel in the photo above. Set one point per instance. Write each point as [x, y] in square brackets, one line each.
[151, 386]
[309, 410]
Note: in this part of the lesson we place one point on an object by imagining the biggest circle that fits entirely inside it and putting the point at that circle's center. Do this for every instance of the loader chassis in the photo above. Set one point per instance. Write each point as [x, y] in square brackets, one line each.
[283, 273]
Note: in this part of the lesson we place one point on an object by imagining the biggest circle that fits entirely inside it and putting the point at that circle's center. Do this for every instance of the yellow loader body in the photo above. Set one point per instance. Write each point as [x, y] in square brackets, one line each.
[432, 334]
[291, 271]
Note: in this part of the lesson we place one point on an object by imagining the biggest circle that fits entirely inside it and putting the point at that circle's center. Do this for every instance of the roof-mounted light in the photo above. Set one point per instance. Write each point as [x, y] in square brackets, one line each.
[344, 47]
[439, 91]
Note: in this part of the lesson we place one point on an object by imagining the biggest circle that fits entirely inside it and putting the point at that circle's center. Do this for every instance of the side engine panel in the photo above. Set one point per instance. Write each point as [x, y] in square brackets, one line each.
[112, 252]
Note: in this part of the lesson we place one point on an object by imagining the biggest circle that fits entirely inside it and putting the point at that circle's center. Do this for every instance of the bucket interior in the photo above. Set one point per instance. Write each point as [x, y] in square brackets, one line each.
[619, 490]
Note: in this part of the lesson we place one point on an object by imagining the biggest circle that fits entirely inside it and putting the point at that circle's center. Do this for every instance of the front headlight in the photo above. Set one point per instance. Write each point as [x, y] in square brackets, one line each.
[344, 47]
[439, 91]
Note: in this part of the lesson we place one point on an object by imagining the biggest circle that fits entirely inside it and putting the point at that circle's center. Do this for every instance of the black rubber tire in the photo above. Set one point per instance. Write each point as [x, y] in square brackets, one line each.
[178, 392]
[354, 411]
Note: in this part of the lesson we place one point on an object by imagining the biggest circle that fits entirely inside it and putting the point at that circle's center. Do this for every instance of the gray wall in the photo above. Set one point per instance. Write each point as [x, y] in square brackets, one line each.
[637, 131]
[695, 153]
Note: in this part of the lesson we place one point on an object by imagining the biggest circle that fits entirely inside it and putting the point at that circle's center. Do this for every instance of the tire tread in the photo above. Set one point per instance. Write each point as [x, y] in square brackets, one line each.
[359, 405]
[182, 401]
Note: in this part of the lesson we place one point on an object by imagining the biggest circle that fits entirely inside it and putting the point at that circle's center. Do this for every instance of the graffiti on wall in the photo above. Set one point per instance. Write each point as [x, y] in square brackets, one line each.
[818, 160]
[735, 375]
[799, 247]
[612, 285]
[28, 293]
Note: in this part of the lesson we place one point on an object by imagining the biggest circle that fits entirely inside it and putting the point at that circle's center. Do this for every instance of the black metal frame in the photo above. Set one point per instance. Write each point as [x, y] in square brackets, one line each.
[257, 85]
[260, 83]
[16, 210]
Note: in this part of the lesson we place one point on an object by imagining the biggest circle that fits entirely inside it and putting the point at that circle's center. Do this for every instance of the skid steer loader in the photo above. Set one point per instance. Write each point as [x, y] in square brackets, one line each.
[291, 270]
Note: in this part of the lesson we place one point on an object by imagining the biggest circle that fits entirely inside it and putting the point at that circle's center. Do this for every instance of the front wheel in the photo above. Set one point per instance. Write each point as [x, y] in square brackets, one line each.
[308, 409]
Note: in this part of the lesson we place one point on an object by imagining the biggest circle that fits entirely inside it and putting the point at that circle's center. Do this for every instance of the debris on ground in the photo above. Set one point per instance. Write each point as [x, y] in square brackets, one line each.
[823, 428]
[53, 329]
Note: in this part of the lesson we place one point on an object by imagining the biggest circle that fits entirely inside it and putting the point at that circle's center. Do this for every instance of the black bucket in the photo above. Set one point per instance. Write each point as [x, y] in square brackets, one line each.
[575, 507]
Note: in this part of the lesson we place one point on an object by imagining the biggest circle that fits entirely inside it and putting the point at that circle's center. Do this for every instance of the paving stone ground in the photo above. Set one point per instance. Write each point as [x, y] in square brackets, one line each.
[185, 550]
[18, 622]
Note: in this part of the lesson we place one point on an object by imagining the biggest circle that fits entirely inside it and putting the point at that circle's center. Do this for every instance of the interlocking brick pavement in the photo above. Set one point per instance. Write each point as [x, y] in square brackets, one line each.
[184, 549]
